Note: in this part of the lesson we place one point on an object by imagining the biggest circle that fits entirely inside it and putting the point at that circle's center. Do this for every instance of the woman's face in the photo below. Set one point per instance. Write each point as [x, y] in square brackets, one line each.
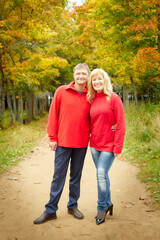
[98, 83]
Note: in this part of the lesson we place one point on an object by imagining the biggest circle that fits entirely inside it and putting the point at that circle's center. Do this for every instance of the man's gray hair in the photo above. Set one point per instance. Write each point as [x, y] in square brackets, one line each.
[81, 65]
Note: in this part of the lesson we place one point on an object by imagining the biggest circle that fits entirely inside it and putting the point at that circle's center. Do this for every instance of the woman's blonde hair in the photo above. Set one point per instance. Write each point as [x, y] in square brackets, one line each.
[107, 84]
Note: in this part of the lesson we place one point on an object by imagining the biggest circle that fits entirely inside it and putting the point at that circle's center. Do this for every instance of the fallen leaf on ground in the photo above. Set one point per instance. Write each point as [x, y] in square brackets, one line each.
[141, 198]
[58, 226]
[150, 210]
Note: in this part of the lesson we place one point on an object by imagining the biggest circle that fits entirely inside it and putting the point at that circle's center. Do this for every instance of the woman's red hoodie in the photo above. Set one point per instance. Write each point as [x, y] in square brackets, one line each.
[104, 114]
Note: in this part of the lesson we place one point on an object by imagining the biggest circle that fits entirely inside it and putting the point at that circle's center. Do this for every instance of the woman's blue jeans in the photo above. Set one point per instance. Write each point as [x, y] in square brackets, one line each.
[103, 162]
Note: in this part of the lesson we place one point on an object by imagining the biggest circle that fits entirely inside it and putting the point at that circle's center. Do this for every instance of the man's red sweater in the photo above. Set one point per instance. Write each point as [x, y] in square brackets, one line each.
[104, 114]
[68, 122]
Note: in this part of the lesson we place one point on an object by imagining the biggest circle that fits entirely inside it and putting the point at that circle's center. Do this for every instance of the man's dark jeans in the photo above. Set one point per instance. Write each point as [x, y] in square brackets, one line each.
[63, 156]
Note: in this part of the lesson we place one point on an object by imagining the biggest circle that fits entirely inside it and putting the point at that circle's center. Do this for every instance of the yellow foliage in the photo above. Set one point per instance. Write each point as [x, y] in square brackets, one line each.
[48, 63]
[59, 62]
[16, 33]
[117, 8]
[2, 23]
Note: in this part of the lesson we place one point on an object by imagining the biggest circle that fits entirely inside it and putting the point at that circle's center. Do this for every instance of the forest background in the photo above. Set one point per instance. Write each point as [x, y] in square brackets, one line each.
[42, 40]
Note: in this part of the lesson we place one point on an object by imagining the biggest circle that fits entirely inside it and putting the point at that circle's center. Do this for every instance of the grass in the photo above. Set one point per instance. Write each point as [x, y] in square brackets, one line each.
[142, 144]
[17, 141]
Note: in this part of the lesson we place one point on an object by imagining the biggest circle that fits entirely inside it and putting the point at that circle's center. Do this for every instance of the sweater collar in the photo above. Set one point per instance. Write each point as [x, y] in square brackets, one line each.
[71, 86]
[100, 94]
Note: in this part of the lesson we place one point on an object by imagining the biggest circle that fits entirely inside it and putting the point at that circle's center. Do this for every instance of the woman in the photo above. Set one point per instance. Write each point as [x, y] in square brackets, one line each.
[106, 111]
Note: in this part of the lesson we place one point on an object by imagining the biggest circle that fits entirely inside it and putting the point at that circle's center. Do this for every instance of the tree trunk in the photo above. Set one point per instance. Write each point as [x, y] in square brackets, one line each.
[46, 103]
[26, 110]
[43, 100]
[1, 105]
[20, 107]
[2, 97]
[158, 16]
[9, 102]
[30, 106]
[14, 102]
[40, 106]
[134, 91]
[125, 96]
[35, 111]
[21, 115]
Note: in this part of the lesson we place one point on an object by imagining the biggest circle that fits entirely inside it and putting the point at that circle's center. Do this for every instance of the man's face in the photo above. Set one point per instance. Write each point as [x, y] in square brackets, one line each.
[81, 76]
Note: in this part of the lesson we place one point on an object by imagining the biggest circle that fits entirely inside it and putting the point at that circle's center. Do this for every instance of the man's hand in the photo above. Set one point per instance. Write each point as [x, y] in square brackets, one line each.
[53, 146]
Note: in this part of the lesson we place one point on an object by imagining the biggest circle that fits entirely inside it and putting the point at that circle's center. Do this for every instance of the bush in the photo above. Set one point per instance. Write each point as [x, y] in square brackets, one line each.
[142, 143]
[5, 120]
[18, 140]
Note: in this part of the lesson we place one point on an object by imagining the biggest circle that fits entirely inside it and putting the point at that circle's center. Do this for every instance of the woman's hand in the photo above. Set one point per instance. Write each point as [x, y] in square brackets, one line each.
[116, 154]
[114, 127]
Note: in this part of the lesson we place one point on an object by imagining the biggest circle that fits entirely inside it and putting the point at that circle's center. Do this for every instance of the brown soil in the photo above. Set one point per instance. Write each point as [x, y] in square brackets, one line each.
[24, 190]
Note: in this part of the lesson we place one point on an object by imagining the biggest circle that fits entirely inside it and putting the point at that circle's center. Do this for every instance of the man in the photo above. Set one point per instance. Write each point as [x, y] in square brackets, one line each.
[69, 131]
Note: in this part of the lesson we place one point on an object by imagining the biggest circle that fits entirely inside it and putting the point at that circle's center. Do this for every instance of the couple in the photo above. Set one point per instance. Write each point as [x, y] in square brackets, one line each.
[75, 113]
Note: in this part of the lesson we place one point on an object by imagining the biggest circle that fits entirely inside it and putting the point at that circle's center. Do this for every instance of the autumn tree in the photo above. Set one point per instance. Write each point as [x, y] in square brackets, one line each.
[113, 33]
[26, 67]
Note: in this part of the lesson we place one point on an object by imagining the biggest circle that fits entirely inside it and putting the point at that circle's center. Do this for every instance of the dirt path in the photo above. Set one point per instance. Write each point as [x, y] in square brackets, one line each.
[24, 190]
